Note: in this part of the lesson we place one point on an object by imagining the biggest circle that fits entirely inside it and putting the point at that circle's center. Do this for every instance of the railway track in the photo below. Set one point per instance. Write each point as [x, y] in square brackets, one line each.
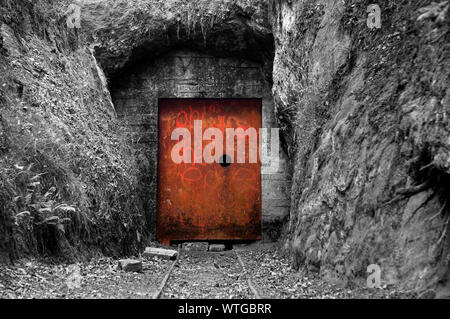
[207, 275]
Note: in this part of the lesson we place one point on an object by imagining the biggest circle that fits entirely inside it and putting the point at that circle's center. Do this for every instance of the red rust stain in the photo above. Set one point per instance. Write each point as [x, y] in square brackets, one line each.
[207, 201]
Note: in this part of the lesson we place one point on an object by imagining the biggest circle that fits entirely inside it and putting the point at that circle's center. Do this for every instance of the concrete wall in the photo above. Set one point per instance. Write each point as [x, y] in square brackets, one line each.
[185, 74]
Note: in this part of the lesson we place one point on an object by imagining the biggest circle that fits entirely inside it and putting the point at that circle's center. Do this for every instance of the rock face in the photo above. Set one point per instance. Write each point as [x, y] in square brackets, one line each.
[68, 178]
[365, 117]
[128, 32]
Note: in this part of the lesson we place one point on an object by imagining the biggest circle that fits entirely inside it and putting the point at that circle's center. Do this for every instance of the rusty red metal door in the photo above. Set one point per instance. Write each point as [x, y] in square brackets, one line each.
[218, 201]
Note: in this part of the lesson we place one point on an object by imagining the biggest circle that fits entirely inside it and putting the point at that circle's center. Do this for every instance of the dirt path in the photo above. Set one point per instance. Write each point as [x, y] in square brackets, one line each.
[196, 275]
[98, 279]
[207, 275]
[274, 278]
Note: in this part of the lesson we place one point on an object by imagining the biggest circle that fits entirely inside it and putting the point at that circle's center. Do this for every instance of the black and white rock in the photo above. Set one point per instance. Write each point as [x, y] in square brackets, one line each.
[160, 252]
[195, 246]
[217, 247]
[130, 265]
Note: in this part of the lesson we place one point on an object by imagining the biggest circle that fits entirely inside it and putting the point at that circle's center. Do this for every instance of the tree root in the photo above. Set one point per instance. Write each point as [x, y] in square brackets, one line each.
[409, 191]
[444, 233]
[439, 213]
[402, 193]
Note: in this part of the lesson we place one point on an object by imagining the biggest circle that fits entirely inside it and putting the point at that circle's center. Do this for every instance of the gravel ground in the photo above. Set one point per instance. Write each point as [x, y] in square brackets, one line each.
[209, 275]
[197, 275]
[99, 278]
[274, 278]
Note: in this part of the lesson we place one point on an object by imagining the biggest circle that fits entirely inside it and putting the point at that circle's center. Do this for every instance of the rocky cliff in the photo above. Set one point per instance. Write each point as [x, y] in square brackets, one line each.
[67, 176]
[365, 113]
[125, 33]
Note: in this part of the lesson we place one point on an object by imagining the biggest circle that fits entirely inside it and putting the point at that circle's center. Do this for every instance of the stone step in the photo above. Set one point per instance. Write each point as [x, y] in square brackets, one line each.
[195, 246]
[130, 265]
[160, 252]
[217, 247]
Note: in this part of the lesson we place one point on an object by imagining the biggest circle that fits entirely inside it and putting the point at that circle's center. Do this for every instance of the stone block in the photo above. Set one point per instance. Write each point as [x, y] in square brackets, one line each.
[130, 265]
[160, 252]
[195, 246]
[217, 247]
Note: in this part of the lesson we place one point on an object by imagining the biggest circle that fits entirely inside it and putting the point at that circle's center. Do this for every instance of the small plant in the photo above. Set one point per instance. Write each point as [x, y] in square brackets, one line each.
[42, 209]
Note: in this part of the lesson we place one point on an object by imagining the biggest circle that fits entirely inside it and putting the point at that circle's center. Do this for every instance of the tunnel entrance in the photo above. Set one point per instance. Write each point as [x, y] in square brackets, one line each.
[186, 74]
[201, 196]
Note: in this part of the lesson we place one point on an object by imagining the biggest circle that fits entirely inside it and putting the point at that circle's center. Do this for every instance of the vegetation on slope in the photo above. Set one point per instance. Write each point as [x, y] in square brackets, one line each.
[68, 178]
